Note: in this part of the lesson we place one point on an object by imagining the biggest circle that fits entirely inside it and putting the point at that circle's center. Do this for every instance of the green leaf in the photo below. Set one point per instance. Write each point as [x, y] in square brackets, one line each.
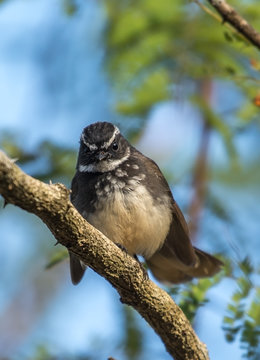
[154, 88]
[57, 257]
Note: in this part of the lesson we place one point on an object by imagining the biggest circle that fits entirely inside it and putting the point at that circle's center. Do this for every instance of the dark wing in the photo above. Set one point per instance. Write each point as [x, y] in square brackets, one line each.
[77, 268]
[178, 261]
[177, 255]
[177, 243]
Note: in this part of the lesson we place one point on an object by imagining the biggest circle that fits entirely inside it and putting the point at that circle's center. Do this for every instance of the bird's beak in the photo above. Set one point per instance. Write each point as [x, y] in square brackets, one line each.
[101, 155]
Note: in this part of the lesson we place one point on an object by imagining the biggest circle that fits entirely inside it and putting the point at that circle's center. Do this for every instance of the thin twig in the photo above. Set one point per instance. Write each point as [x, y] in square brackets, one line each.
[231, 16]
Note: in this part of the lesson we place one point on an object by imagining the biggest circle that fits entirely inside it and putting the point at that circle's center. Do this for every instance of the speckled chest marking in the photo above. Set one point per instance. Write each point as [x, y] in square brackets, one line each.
[127, 214]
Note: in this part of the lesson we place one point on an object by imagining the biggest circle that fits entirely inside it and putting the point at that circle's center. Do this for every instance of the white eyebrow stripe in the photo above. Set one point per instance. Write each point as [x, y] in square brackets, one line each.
[109, 142]
[90, 146]
[105, 145]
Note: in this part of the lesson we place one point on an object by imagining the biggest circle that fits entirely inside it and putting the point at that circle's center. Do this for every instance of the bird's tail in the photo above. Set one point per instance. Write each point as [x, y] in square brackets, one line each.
[77, 269]
[170, 270]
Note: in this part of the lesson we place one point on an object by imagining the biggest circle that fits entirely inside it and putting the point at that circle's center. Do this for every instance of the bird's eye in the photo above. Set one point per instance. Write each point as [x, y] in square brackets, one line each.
[115, 146]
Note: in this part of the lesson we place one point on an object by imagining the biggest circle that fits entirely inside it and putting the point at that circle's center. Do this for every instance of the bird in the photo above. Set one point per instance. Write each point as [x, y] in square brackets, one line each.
[124, 194]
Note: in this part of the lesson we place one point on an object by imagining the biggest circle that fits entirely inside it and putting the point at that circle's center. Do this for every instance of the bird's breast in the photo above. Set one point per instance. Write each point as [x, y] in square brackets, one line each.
[127, 214]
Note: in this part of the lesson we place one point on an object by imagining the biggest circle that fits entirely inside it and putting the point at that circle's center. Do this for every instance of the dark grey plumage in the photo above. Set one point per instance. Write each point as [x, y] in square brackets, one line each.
[124, 194]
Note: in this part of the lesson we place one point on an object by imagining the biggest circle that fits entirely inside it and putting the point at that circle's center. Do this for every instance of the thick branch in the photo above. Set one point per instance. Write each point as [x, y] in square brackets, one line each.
[51, 203]
[230, 15]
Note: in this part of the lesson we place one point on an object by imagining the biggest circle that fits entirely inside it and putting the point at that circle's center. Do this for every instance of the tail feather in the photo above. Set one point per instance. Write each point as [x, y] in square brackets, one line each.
[77, 269]
[169, 270]
[207, 265]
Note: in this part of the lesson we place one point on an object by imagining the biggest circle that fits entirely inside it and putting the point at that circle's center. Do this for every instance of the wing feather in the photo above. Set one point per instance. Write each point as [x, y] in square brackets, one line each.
[178, 244]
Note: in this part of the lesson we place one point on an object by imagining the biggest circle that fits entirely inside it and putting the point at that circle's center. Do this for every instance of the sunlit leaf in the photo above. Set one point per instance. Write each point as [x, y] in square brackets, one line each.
[57, 257]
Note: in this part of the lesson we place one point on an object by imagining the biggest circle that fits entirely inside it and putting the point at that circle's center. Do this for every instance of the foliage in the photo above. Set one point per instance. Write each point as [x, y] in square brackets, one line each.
[153, 47]
[57, 257]
[70, 6]
[243, 313]
[133, 338]
[191, 296]
[47, 161]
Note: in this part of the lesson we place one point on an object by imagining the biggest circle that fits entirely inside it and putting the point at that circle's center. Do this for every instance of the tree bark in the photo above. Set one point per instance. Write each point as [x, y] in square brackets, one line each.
[51, 203]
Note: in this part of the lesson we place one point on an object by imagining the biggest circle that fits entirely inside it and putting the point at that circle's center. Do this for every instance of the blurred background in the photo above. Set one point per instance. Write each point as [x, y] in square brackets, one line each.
[185, 89]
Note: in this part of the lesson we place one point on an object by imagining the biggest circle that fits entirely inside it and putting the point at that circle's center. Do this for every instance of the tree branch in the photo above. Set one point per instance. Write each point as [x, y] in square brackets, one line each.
[230, 15]
[51, 203]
